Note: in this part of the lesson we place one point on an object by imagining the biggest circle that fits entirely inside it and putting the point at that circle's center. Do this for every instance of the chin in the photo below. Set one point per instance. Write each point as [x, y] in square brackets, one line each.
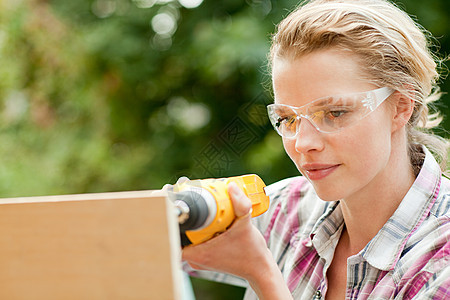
[330, 188]
[329, 198]
[328, 193]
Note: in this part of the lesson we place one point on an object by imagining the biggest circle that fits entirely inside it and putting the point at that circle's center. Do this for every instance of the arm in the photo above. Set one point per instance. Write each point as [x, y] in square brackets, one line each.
[241, 251]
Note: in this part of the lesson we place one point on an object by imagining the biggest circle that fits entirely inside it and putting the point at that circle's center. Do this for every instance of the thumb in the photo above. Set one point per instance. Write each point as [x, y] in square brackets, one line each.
[241, 203]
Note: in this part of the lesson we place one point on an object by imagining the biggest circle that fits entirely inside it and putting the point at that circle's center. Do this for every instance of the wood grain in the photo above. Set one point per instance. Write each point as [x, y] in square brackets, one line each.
[94, 246]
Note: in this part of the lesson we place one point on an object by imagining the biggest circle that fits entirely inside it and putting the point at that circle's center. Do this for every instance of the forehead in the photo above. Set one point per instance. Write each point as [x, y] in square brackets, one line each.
[300, 80]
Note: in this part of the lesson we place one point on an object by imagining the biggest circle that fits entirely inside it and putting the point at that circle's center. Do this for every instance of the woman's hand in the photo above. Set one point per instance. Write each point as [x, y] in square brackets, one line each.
[241, 251]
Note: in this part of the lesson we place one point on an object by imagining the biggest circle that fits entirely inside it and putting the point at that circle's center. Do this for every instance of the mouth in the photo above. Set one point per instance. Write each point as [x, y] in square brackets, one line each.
[319, 171]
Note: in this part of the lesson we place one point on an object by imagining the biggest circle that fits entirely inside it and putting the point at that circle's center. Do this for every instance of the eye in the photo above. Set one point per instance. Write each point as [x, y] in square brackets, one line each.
[288, 120]
[337, 113]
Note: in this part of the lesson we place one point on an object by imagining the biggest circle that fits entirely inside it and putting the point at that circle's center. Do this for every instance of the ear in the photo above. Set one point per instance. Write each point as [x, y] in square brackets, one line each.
[403, 108]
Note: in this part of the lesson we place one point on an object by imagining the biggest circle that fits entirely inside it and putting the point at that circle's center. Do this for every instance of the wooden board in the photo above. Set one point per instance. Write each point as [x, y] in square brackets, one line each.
[121, 245]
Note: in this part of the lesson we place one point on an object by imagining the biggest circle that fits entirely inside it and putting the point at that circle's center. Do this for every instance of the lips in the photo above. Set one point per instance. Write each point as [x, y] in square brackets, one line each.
[319, 171]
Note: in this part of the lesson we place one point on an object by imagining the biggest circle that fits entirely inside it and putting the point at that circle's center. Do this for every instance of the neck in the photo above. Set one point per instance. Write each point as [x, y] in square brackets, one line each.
[367, 212]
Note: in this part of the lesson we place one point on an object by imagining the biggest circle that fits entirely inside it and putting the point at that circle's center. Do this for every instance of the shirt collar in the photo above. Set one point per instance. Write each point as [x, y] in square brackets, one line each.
[327, 230]
[410, 214]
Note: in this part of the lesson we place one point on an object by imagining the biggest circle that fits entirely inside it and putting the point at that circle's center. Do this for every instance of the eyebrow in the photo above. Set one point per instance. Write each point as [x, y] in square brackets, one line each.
[323, 101]
[339, 99]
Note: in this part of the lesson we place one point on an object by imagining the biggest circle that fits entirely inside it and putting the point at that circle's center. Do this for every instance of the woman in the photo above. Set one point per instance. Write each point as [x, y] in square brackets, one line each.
[369, 218]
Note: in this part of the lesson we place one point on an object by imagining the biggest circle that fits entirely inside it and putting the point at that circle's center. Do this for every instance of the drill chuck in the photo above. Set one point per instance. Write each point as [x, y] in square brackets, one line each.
[204, 208]
[196, 208]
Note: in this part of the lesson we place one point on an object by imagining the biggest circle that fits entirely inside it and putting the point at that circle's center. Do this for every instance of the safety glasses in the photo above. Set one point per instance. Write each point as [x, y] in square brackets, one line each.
[328, 114]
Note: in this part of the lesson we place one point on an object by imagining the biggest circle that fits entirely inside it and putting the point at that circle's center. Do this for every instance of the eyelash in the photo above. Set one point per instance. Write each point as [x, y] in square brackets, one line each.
[340, 112]
[283, 119]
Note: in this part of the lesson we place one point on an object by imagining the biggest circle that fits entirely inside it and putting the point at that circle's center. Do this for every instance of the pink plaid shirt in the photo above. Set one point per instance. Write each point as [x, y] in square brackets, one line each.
[409, 258]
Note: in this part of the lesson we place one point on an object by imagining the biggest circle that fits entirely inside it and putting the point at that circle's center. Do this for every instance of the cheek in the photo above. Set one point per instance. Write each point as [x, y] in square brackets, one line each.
[368, 147]
[289, 147]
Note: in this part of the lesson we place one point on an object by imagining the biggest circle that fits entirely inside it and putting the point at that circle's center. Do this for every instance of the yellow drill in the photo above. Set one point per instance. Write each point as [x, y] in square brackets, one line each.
[204, 207]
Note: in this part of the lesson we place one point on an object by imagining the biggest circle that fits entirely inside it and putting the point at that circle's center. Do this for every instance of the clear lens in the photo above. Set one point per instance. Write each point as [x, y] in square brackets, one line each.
[328, 114]
[284, 119]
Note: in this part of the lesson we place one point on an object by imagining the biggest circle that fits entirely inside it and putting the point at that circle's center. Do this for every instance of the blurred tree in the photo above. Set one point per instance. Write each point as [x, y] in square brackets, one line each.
[109, 95]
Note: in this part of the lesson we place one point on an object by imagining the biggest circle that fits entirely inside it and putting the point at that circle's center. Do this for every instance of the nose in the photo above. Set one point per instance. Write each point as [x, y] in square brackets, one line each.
[308, 137]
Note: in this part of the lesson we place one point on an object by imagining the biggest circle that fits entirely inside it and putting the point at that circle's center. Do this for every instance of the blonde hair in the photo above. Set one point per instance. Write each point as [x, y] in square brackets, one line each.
[392, 47]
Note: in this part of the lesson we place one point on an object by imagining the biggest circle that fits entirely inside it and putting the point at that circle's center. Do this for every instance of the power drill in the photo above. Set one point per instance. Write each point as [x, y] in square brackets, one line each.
[204, 207]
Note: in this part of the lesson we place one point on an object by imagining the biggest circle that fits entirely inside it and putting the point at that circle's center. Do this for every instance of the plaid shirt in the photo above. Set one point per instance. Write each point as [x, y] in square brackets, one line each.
[409, 258]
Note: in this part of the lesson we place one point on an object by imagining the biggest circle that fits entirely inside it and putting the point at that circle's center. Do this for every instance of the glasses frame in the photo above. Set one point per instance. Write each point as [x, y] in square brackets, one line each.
[372, 101]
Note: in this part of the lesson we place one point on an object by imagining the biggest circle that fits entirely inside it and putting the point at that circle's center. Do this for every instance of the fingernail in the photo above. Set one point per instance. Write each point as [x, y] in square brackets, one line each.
[235, 190]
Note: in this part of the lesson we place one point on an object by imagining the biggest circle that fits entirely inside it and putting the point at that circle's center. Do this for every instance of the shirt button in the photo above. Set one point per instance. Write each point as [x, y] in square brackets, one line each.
[318, 295]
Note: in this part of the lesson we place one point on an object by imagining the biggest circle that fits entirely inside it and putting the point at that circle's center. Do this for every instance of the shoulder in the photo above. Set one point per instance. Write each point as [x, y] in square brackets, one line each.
[290, 191]
[432, 237]
[288, 195]
[442, 205]
[424, 266]
[287, 189]
[424, 270]
[294, 206]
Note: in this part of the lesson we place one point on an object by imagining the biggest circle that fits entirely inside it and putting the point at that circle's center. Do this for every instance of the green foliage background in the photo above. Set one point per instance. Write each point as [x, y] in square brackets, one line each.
[92, 99]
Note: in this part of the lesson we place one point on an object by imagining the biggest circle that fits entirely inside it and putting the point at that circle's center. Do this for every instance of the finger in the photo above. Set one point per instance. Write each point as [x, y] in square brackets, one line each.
[195, 266]
[241, 204]
[169, 187]
[193, 253]
[182, 179]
